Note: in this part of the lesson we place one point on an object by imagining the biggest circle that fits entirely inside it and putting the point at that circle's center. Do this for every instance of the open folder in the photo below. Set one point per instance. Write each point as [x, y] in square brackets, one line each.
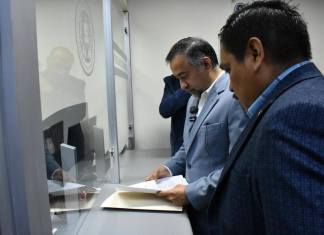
[142, 196]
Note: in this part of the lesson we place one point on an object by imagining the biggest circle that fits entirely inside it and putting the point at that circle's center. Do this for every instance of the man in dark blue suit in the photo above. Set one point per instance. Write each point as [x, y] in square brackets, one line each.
[273, 181]
[173, 104]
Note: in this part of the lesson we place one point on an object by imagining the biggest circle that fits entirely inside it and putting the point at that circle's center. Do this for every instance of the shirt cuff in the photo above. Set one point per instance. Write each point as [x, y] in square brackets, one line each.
[170, 172]
[54, 172]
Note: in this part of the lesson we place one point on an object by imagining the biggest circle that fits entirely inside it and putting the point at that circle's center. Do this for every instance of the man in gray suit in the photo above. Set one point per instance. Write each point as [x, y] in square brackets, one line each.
[214, 119]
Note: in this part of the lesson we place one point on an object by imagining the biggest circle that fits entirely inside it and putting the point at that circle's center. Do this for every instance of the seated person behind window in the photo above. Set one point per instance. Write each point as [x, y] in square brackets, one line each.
[173, 104]
[54, 170]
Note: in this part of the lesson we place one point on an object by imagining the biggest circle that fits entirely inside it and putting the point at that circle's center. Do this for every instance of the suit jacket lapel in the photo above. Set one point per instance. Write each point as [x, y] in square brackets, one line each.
[188, 124]
[212, 99]
[305, 72]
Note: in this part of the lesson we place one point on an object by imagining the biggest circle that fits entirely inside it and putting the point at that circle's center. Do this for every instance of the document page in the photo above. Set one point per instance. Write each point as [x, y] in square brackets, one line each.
[142, 196]
[139, 201]
[154, 186]
[69, 196]
[57, 188]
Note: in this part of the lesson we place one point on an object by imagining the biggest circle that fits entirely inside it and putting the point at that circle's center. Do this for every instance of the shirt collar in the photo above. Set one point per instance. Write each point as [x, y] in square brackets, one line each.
[259, 102]
[211, 86]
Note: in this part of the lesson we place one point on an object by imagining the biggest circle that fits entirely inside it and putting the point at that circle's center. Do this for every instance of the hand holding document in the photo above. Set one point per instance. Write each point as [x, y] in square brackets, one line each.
[154, 186]
[142, 196]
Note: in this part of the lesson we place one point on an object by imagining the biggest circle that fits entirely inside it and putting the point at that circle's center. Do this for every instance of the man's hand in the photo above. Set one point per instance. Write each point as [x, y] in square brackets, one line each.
[158, 173]
[62, 175]
[177, 195]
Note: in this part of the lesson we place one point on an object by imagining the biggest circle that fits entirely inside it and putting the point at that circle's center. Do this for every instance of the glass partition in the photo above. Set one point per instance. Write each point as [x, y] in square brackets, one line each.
[75, 108]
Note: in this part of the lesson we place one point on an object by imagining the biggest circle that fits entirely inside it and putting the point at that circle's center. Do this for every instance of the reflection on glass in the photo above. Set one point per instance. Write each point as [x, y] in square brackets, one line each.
[58, 88]
[74, 106]
[85, 36]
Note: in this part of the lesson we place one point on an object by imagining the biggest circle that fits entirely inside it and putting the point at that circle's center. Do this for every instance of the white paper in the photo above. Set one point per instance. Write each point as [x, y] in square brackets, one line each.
[66, 197]
[154, 186]
[60, 188]
[72, 203]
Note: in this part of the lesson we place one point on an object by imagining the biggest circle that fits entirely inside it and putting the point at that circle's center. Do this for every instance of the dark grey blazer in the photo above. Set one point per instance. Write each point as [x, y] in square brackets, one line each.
[273, 182]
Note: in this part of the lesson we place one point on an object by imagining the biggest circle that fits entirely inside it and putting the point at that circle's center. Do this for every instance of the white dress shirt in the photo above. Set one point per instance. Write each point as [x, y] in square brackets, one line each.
[204, 95]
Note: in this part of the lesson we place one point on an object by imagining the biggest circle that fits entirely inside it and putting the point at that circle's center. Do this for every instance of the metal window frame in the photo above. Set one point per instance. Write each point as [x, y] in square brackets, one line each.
[111, 96]
[5, 221]
[130, 105]
[23, 174]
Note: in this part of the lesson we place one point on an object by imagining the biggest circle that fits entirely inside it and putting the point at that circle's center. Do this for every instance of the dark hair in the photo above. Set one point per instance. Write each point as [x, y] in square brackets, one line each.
[238, 6]
[194, 49]
[278, 25]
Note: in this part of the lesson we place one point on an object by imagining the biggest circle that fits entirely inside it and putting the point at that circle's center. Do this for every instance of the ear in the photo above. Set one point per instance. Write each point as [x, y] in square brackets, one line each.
[255, 52]
[207, 63]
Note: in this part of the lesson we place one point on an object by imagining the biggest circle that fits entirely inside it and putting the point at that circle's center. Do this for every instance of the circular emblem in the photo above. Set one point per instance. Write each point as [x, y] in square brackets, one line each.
[84, 33]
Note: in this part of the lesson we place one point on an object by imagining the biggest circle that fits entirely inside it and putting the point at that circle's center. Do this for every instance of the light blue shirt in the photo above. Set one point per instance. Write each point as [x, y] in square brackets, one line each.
[259, 102]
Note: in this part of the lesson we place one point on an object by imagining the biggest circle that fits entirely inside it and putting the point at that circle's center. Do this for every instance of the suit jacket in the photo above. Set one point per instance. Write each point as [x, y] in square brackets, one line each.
[51, 165]
[206, 147]
[173, 104]
[273, 182]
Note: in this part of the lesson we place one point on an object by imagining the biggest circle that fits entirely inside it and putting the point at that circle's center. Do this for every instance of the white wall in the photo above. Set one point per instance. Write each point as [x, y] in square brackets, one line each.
[156, 25]
[312, 11]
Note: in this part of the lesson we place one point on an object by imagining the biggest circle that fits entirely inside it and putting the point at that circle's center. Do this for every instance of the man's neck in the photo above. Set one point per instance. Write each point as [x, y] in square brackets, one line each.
[276, 69]
[214, 74]
[269, 73]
